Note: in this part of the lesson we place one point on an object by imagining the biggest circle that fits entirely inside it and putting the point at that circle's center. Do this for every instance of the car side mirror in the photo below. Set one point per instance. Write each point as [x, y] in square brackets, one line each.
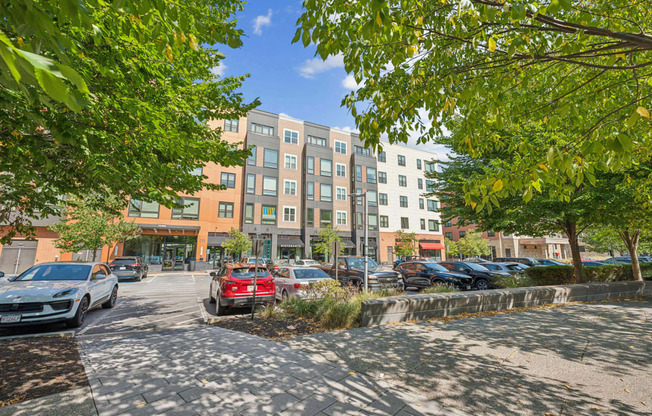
[2, 274]
[99, 276]
[212, 274]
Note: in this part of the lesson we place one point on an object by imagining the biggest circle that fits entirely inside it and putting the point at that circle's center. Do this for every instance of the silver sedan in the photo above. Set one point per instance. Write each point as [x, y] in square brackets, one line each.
[292, 281]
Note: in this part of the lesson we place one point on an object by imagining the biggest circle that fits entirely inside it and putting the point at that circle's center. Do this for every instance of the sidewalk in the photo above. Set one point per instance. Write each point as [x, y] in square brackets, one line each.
[210, 370]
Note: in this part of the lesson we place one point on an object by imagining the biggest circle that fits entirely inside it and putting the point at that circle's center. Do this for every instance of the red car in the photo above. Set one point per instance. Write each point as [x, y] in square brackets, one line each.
[233, 286]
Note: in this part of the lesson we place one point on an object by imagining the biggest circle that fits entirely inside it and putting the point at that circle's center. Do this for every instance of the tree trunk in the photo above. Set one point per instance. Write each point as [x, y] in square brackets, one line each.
[631, 242]
[570, 228]
[94, 254]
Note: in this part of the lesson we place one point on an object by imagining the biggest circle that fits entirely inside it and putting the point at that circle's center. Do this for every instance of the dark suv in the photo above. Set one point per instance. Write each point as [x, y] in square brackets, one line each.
[128, 267]
[425, 274]
[483, 278]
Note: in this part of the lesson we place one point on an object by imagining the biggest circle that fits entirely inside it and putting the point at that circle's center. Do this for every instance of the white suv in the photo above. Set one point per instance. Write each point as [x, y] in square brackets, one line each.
[57, 292]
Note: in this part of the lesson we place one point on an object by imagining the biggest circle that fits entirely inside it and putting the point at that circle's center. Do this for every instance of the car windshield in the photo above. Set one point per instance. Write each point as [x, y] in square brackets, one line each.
[311, 273]
[55, 272]
[124, 261]
[435, 267]
[535, 262]
[476, 267]
[248, 272]
[358, 263]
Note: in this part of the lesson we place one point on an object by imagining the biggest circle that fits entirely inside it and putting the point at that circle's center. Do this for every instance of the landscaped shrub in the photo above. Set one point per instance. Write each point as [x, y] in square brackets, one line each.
[439, 288]
[646, 270]
[609, 273]
[512, 281]
[550, 275]
[564, 275]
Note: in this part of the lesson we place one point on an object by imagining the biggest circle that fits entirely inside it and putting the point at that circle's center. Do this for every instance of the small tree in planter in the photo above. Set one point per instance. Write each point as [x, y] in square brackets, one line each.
[473, 245]
[88, 227]
[237, 243]
[452, 249]
[328, 236]
[405, 243]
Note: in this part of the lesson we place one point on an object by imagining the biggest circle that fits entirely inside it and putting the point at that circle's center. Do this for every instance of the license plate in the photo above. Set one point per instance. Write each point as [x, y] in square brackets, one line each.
[468, 287]
[250, 288]
[123, 268]
[9, 319]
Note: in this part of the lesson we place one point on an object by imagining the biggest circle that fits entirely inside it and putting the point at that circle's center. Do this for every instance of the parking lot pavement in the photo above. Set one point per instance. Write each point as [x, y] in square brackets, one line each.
[210, 370]
[580, 359]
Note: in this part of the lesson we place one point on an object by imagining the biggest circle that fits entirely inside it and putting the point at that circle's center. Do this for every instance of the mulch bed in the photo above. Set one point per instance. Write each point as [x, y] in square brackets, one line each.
[37, 367]
[271, 328]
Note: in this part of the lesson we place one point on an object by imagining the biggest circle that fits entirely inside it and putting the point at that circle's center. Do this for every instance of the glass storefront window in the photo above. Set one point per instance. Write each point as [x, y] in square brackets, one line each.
[172, 252]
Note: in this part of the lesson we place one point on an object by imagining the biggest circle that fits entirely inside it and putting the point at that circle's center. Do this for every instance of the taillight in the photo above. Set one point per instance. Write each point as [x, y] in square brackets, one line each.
[112, 265]
[232, 286]
[135, 264]
[297, 285]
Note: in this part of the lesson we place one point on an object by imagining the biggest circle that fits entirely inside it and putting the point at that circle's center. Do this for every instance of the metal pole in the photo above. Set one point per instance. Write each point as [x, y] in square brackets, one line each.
[366, 242]
[253, 301]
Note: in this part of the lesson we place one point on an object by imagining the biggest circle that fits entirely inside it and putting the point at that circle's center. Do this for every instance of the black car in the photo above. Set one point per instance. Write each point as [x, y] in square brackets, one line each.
[425, 274]
[128, 267]
[528, 261]
[483, 278]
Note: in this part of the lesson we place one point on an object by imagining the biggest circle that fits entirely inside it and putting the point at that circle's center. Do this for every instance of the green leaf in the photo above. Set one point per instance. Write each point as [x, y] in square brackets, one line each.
[498, 185]
[55, 88]
[518, 11]
[566, 4]
[553, 7]
[74, 77]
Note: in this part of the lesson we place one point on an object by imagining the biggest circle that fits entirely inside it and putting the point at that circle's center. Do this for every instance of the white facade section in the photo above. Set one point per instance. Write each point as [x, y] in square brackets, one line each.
[413, 212]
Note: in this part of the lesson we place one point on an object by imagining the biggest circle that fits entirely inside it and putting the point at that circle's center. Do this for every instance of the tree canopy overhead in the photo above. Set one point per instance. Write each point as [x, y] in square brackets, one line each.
[112, 98]
[478, 66]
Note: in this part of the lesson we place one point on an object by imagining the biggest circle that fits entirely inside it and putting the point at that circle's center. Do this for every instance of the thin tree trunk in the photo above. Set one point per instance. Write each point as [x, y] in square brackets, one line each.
[631, 242]
[570, 228]
[94, 254]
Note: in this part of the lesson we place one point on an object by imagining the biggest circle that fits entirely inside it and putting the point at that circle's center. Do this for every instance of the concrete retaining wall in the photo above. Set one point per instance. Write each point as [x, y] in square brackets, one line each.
[420, 307]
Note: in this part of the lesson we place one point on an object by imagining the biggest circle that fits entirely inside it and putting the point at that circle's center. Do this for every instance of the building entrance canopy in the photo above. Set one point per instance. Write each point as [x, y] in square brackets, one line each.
[431, 246]
[289, 242]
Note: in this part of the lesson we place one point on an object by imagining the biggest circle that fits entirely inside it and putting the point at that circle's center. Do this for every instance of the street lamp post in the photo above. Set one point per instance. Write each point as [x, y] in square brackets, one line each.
[365, 252]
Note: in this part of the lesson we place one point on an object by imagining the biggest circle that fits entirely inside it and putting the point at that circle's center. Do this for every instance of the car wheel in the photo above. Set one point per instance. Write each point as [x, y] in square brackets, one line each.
[80, 316]
[284, 295]
[112, 300]
[482, 284]
[139, 278]
[219, 309]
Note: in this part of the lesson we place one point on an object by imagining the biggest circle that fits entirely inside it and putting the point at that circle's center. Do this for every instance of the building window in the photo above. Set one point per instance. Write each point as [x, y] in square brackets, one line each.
[318, 141]
[384, 221]
[231, 125]
[270, 159]
[449, 236]
[290, 162]
[372, 198]
[402, 180]
[421, 204]
[422, 223]
[382, 199]
[289, 214]
[262, 129]
[359, 221]
[268, 214]
[340, 147]
[419, 164]
[325, 217]
[291, 136]
[310, 165]
[359, 150]
[432, 205]
[197, 171]
[341, 217]
[491, 234]
[326, 167]
[310, 190]
[382, 177]
[340, 193]
[358, 173]
[143, 209]
[433, 225]
[430, 166]
[251, 183]
[401, 160]
[448, 223]
[340, 170]
[270, 185]
[249, 214]
[371, 175]
[310, 217]
[225, 210]
[382, 157]
[325, 192]
[289, 187]
[358, 200]
[430, 186]
[405, 223]
[373, 221]
[403, 201]
[462, 234]
[228, 180]
[251, 160]
[189, 211]
[420, 183]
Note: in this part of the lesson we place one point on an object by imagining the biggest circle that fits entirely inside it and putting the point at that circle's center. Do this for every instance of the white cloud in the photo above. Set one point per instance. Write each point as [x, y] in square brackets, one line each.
[350, 84]
[219, 69]
[348, 129]
[262, 21]
[314, 66]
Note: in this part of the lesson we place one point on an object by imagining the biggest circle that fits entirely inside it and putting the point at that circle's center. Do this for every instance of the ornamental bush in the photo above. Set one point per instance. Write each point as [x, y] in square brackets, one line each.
[563, 275]
[550, 275]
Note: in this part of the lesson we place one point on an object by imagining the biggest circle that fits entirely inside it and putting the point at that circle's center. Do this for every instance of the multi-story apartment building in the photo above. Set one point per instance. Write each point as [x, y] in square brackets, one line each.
[402, 200]
[298, 180]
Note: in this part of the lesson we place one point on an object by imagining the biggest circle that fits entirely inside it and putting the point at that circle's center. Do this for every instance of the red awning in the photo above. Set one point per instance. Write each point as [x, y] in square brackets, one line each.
[431, 246]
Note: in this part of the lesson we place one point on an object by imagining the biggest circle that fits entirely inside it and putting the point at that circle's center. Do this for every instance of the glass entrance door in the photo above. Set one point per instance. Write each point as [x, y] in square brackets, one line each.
[179, 256]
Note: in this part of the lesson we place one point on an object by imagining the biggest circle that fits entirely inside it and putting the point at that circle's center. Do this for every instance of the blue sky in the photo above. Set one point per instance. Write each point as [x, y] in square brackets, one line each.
[286, 77]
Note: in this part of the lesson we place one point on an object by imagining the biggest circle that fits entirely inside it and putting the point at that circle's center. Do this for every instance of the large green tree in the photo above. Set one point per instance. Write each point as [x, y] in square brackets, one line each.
[473, 245]
[476, 67]
[87, 225]
[327, 237]
[131, 118]
[237, 243]
[405, 243]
